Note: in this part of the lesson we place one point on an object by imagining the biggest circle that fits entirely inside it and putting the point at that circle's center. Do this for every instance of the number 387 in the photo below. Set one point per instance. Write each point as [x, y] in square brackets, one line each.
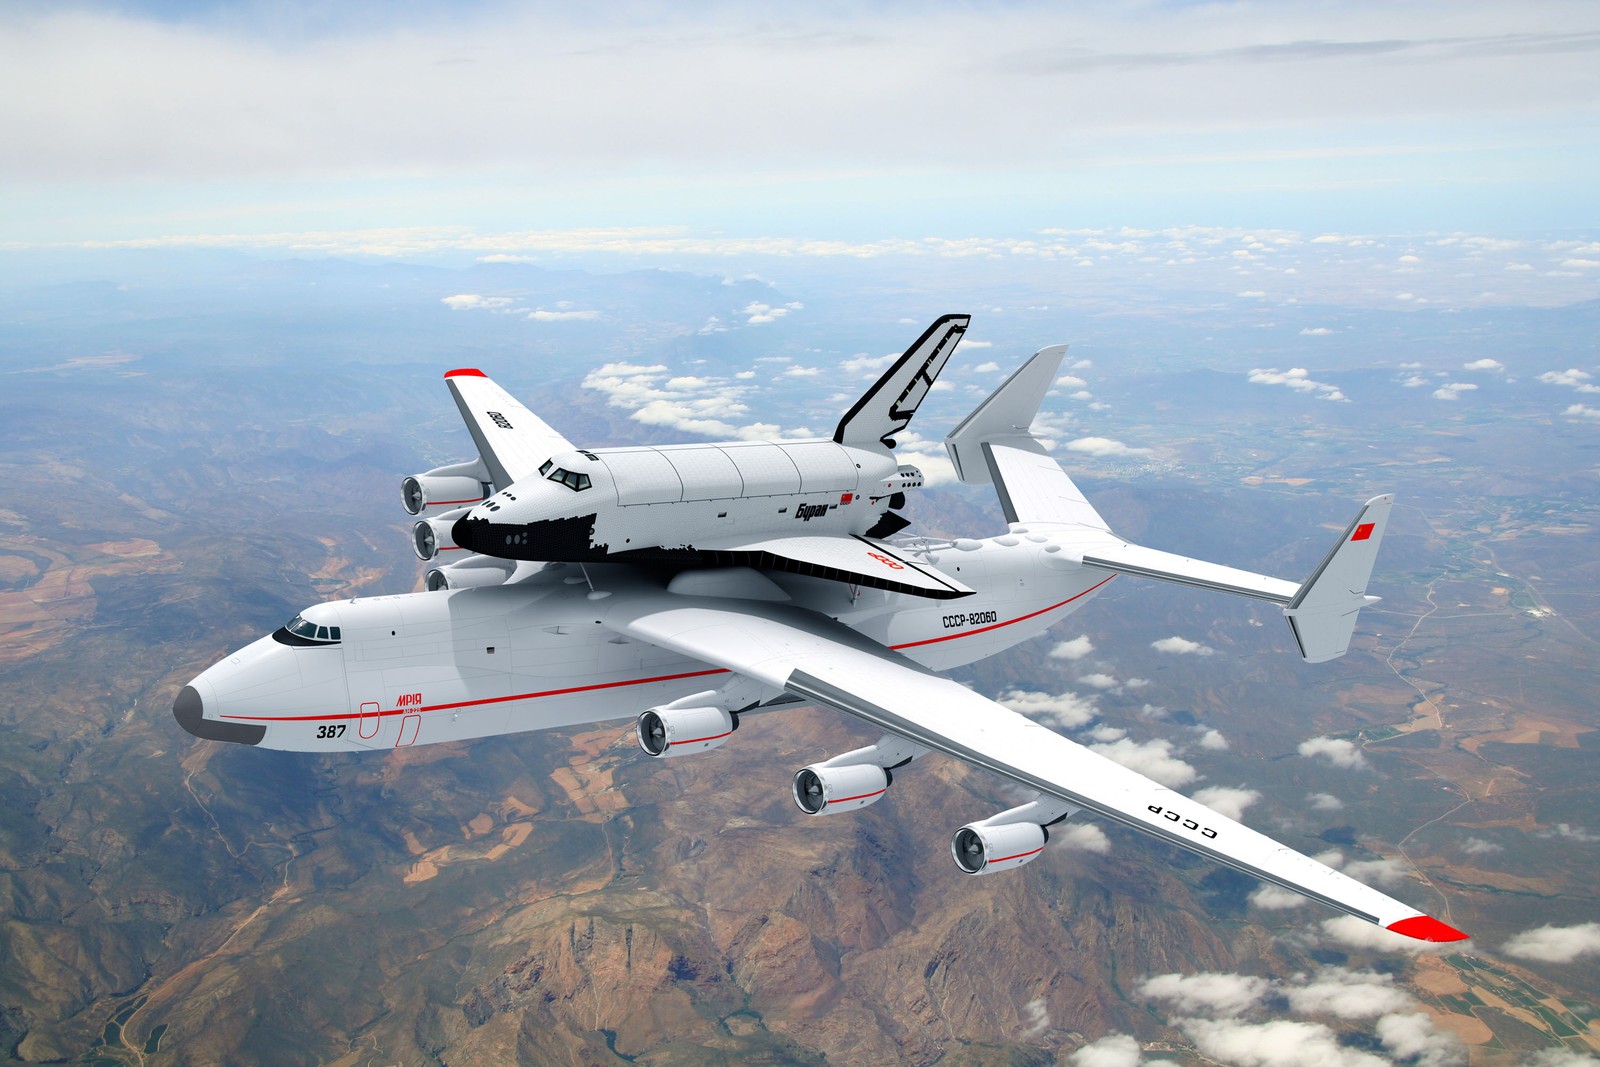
[330, 731]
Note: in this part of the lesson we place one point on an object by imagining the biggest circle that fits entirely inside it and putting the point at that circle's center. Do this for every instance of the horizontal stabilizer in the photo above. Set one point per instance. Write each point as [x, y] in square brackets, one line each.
[1123, 558]
[1323, 612]
[857, 560]
[511, 440]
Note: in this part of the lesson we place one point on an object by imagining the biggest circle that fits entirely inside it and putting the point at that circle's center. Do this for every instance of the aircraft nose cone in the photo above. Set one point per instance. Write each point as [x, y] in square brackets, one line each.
[190, 708]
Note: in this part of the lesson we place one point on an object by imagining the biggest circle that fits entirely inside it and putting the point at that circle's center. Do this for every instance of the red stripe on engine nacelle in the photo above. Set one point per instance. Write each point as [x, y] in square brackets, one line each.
[1018, 856]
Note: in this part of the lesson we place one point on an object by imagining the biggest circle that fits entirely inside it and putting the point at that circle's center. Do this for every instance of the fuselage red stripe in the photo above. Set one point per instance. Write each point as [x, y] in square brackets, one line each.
[636, 681]
[1008, 622]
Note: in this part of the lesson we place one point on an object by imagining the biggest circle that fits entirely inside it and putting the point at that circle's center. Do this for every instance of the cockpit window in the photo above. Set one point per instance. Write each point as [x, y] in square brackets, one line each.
[576, 482]
[545, 467]
[310, 631]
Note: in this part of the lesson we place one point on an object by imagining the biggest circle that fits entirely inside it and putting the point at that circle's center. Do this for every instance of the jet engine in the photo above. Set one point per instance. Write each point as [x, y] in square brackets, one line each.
[675, 731]
[432, 535]
[445, 487]
[823, 790]
[1010, 839]
[470, 573]
[983, 849]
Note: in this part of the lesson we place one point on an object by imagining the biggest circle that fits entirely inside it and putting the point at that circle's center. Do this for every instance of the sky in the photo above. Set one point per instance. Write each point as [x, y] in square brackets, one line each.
[165, 121]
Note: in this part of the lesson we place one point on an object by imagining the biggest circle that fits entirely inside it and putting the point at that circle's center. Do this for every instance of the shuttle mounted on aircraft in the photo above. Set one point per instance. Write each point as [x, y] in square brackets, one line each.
[695, 584]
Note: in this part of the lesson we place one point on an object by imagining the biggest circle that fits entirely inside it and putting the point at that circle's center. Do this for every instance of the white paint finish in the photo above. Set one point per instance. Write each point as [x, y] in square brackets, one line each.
[766, 469]
[512, 446]
[641, 476]
[824, 467]
[706, 472]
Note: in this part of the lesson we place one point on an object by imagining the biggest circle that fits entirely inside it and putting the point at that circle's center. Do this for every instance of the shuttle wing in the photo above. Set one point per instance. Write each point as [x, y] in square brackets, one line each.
[828, 663]
[512, 440]
[858, 560]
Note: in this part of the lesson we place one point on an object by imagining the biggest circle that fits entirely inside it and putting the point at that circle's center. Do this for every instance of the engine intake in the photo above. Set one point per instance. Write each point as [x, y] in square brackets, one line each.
[433, 535]
[672, 731]
[473, 572]
[445, 487]
[981, 848]
[823, 790]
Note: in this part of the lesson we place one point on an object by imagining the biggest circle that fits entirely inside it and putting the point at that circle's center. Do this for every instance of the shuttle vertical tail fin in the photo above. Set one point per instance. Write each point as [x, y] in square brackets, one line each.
[886, 408]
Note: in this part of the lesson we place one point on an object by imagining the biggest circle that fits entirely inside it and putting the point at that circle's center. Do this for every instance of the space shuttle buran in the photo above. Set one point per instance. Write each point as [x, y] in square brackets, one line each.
[690, 585]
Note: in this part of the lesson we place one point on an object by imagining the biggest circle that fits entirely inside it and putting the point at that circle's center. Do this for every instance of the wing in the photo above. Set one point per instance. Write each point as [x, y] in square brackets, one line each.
[859, 560]
[512, 440]
[826, 662]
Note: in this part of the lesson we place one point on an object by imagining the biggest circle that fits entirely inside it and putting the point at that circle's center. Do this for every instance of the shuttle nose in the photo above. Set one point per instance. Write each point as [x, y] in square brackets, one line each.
[189, 709]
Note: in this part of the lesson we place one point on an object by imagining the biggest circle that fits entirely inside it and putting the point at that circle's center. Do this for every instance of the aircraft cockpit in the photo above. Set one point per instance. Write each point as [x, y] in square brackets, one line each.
[572, 480]
[301, 632]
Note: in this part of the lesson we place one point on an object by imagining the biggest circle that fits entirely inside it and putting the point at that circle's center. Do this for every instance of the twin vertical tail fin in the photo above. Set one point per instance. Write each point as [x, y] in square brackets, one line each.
[886, 409]
[994, 444]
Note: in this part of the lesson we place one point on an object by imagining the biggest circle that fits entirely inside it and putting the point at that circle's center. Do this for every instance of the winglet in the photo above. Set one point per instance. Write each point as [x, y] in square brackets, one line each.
[1427, 928]
[886, 408]
[1323, 613]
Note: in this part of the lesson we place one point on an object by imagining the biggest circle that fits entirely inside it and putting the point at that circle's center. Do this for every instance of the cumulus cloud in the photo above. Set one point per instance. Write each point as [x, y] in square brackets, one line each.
[474, 301]
[1573, 378]
[1104, 447]
[1083, 836]
[541, 315]
[1278, 1043]
[1324, 802]
[1414, 1039]
[1100, 680]
[1213, 740]
[1556, 944]
[1582, 411]
[862, 365]
[1336, 750]
[1348, 994]
[1206, 993]
[1182, 646]
[1113, 1050]
[1063, 710]
[1571, 833]
[1153, 759]
[986, 368]
[1298, 379]
[1559, 1057]
[698, 404]
[1227, 800]
[1315, 331]
[1453, 390]
[1077, 648]
[756, 313]
[1477, 846]
[1273, 898]
[1484, 364]
[1035, 1018]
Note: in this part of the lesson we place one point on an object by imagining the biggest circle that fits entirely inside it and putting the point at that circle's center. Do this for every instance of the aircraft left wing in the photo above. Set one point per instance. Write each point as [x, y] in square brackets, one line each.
[826, 662]
[512, 440]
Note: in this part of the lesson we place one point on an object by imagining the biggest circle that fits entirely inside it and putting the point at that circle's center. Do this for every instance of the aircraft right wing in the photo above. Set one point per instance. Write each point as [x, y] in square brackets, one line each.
[826, 662]
[512, 440]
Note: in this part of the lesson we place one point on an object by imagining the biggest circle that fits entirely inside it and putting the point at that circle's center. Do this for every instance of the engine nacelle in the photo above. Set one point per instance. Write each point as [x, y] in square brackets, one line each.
[670, 731]
[472, 572]
[445, 487]
[981, 848]
[433, 535]
[823, 790]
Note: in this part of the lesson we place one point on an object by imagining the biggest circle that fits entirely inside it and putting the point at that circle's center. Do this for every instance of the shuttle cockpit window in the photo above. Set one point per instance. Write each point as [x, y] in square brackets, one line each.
[576, 482]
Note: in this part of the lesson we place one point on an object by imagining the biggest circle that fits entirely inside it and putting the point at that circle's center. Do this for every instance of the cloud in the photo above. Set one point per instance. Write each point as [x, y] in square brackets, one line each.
[541, 315]
[1083, 836]
[1414, 1039]
[1153, 759]
[1556, 944]
[1336, 750]
[1582, 411]
[1485, 364]
[1227, 800]
[1453, 391]
[1104, 446]
[1571, 833]
[1278, 1043]
[1218, 994]
[474, 301]
[1182, 646]
[1573, 378]
[986, 368]
[1559, 1057]
[1324, 802]
[1298, 379]
[1035, 1018]
[1100, 680]
[1113, 1050]
[1477, 846]
[1348, 994]
[1273, 898]
[1315, 331]
[757, 313]
[1077, 648]
[1066, 711]
[1213, 740]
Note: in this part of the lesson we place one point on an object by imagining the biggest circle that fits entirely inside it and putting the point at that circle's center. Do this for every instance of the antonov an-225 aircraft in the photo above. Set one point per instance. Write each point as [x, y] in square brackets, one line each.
[691, 584]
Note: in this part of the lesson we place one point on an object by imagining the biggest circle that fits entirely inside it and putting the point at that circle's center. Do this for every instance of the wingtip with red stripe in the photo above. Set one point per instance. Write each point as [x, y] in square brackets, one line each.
[465, 372]
[1427, 928]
